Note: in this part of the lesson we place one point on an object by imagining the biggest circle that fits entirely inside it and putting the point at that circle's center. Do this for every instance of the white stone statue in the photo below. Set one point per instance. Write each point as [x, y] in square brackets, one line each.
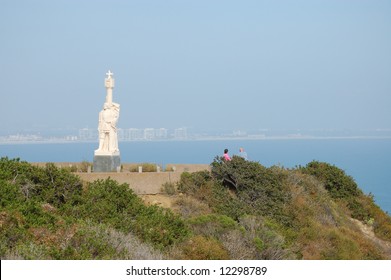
[108, 118]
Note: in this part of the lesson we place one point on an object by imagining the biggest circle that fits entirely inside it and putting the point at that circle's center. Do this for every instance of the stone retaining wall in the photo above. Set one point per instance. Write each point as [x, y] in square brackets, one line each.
[141, 183]
[129, 166]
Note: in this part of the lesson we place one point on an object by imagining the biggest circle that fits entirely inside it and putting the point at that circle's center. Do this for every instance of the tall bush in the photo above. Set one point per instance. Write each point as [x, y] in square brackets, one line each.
[335, 180]
[260, 189]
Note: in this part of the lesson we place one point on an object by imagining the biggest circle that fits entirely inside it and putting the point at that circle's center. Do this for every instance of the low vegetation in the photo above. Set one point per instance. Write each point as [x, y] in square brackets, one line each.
[238, 210]
[307, 212]
[47, 213]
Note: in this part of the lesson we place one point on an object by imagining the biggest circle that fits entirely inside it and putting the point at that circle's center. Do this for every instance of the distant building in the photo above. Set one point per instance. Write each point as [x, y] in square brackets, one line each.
[88, 134]
[137, 134]
[70, 138]
[161, 133]
[239, 133]
[180, 133]
[132, 134]
[121, 134]
[149, 133]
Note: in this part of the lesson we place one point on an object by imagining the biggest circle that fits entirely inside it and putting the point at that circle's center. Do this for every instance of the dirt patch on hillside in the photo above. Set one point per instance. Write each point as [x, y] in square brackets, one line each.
[369, 233]
[162, 200]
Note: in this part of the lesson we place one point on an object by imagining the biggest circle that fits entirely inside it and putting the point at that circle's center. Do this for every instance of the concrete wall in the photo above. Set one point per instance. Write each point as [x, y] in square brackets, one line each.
[141, 183]
[170, 167]
[188, 167]
[59, 164]
[134, 166]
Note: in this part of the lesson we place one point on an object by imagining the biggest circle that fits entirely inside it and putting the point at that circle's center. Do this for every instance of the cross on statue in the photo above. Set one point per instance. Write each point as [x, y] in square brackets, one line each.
[109, 74]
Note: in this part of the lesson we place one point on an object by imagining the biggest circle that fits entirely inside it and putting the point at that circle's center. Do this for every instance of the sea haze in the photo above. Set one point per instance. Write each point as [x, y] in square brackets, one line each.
[368, 161]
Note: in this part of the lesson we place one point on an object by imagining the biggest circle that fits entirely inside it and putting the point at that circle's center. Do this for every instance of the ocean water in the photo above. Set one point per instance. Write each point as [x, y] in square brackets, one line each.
[368, 161]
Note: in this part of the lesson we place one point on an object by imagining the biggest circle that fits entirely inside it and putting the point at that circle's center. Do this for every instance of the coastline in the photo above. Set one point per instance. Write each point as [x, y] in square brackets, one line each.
[213, 138]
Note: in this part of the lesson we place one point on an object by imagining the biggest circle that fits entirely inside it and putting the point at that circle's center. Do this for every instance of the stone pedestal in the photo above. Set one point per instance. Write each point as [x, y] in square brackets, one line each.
[107, 163]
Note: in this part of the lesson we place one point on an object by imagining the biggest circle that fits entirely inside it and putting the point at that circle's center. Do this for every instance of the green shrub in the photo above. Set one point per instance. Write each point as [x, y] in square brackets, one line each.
[341, 247]
[169, 188]
[10, 194]
[106, 201]
[85, 165]
[239, 187]
[191, 183]
[261, 190]
[34, 215]
[212, 225]
[222, 220]
[87, 244]
[159, 226]
[203, 187]
[50, 184]
[13, 231]
[13, 169]
[344, 189]
[50, 197]
[146, 167]
[334, 179]
[203, 248]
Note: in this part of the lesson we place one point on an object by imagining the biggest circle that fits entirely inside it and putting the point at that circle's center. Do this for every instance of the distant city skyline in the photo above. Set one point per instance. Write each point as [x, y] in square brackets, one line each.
[182, 133]
[204, 65]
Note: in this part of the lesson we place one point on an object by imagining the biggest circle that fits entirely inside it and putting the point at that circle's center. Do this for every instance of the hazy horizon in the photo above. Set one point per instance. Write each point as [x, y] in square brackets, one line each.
[228, 65]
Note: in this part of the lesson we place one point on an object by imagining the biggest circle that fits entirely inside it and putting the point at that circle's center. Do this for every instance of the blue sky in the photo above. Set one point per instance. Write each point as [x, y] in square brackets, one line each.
[205, 65]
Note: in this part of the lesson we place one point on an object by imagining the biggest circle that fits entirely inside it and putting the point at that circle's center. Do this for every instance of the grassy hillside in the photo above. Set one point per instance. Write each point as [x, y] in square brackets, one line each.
[239, 210]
